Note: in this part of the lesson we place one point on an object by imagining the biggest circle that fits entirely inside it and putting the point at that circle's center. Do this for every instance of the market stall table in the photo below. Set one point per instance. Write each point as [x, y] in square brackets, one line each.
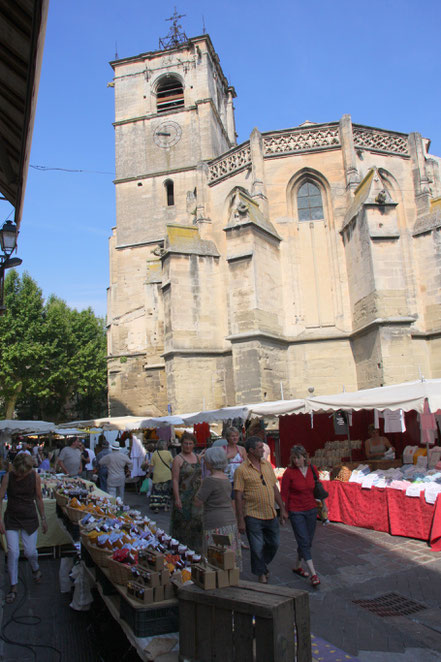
[150, 626]
[385, 509]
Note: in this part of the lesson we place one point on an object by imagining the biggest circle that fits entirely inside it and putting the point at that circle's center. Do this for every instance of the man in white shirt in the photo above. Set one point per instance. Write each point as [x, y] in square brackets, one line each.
[70, 458]
[116, 463]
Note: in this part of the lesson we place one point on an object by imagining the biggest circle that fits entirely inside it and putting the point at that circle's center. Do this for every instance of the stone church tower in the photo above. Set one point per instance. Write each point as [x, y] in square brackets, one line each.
[308, 256]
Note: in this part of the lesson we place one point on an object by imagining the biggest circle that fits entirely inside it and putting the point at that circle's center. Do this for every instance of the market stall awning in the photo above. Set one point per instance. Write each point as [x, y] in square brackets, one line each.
[214, 415]
[406, 396]
[13, 426]
[62, 432]
[68, 432]
[269, 409]
[160, 421]
[108, 423]
[278, 408]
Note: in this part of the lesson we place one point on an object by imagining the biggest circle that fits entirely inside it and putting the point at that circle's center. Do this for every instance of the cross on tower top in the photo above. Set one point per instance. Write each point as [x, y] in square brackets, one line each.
[176, 34]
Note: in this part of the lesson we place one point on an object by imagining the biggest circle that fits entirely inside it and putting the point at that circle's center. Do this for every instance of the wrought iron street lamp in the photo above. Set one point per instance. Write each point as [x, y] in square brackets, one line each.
[8, 238]
[8, 244]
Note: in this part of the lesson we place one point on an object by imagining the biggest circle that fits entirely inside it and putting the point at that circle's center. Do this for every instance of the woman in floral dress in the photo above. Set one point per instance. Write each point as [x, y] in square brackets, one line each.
[186, 517]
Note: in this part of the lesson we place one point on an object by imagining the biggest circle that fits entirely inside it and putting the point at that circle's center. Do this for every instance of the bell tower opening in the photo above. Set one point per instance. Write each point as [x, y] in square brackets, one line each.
[169, 192]
[169, 94]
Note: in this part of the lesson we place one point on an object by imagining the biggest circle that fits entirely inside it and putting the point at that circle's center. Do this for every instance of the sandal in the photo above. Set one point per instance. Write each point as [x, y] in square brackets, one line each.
[301, 572]
[37, 576]
[10, 597]
[315, 581]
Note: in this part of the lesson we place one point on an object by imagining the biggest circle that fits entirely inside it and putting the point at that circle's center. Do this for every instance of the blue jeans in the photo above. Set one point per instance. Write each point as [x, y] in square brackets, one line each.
[303, 524]
[263, 536]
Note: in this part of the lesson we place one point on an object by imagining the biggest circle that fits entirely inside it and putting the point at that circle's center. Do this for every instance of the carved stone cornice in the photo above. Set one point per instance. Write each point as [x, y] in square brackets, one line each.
[310, 138]
[379, 140]
[292, 141]
[230, 163]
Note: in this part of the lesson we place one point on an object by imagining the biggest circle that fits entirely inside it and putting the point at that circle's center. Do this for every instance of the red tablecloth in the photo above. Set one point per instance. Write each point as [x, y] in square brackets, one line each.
[385, 509]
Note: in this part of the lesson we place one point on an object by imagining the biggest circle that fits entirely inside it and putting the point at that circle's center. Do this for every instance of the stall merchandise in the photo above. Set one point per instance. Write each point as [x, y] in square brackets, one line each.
[385, 509]
[334, 452]
[402, 501]
[136, 566]
[410, 479]
[136, 552]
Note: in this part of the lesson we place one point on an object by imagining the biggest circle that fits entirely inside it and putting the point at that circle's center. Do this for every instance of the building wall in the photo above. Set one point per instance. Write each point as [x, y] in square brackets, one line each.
[227, 296]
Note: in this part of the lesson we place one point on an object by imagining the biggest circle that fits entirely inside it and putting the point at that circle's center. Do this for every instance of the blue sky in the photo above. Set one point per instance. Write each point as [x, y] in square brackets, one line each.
[289, 61]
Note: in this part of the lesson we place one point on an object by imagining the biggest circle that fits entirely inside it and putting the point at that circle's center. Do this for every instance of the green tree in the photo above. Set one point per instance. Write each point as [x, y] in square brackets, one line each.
[89, 363]
[60, 351]
[21, 347]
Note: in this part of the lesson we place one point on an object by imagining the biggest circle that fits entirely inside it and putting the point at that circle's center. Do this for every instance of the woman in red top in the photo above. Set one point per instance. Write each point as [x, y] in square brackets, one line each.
[298, 494]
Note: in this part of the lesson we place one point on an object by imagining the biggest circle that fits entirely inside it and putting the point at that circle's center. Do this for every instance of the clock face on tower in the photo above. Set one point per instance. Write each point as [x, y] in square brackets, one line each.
[167, 134]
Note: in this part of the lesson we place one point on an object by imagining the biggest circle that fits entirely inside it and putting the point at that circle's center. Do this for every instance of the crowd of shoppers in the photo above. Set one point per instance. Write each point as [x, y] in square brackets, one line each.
[229, 489]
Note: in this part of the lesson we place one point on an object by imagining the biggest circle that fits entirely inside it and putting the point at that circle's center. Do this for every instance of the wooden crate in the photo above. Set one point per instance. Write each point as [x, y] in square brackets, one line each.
[252, 622]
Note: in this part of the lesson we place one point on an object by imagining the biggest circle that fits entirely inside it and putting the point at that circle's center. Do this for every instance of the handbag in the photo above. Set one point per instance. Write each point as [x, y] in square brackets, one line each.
[319, 491]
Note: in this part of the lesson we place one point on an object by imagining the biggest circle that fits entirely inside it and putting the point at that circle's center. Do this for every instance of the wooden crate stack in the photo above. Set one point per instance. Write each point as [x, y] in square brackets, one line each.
[219, 570]
[151, 582]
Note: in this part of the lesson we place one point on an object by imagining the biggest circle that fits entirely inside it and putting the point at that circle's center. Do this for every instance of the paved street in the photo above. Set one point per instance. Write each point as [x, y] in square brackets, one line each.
[353, 564]
[356, 564]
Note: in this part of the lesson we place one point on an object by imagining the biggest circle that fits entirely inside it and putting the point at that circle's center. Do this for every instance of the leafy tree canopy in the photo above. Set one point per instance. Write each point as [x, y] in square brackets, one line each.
[52, 357]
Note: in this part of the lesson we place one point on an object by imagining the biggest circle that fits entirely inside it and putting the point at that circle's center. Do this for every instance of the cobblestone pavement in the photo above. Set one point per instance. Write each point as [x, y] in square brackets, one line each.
[359, 564]
[353, 564]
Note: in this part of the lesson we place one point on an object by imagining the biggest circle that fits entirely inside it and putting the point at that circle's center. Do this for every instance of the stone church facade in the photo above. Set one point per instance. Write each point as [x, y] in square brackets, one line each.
[303, 257]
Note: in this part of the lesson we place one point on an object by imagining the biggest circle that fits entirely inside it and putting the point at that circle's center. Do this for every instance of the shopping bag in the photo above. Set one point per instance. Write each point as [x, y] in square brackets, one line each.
[146, 486]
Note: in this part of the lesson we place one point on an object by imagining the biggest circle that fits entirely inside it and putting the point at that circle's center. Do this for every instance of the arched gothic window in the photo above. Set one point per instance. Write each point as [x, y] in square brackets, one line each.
[169, 94]
[309, 202]
[169, 192]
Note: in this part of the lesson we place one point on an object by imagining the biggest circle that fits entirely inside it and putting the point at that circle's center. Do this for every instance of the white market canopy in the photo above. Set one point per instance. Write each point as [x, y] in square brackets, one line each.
[160, 421]
[213, 415]
[65, 432]
[268, 409]
[107, 423]
[278, 408]
[12, 426]
[406, 396]
[68, 432]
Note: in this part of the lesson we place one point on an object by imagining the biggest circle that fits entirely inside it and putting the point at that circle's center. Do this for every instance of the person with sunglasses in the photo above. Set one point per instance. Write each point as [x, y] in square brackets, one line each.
[256, 493]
